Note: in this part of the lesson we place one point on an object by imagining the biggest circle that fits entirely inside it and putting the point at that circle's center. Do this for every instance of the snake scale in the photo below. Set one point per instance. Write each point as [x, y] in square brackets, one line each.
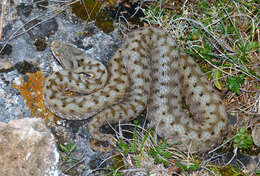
[148, 71]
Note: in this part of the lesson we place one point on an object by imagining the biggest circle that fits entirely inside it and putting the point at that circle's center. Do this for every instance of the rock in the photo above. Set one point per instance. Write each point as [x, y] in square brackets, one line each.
[5, 65]
[24, 9]
[256, 134]
[27, 147]
[41, 29]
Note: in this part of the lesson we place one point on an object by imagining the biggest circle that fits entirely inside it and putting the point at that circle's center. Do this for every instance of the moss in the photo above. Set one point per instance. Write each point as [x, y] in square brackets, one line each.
[90, 10]
[230, 171]
[104, 23]
[25, 67]
[40, 44]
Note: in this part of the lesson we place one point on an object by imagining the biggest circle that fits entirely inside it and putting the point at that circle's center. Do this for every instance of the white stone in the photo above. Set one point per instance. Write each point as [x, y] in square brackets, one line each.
[28, 148]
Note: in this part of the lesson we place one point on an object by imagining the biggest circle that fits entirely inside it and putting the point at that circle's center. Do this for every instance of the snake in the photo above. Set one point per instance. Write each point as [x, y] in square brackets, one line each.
[149, 71]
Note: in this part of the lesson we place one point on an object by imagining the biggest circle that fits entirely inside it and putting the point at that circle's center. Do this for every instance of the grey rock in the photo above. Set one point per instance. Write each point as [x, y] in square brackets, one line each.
[256, 134]
[11, 103]
[41, 29]
[27, 147]
[24, 9]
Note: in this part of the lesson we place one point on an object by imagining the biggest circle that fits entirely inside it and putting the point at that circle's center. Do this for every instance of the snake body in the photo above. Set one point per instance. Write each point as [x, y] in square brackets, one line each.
[147, 72]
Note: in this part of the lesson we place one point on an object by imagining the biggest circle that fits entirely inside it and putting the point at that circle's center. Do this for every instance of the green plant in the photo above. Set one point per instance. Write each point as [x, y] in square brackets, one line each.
[140, 152]
[242, 139]
[67, 149]
[216, 76]
[160, 153]
[235, 82]
[125, 148]
[153, 14]
[258, 171]
[191, 167]
[113, 172]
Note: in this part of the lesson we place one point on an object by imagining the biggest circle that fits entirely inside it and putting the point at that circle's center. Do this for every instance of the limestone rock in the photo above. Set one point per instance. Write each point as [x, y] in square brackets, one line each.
[27, 147]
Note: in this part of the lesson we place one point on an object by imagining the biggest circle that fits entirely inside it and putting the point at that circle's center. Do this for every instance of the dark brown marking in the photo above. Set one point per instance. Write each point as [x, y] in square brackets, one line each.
[155, 70]
[199, 135]
[175, 107]
[113, 112]
[70, 77]
[95, 101]
[52, 96]
[182, 77]
[174, 84]
[145, 67]
[97, 64]
[80, 62]
[134, 50]
[164, 83]
[59, 76]
[146, 79]
[64, 104]
[162, 96]
[98, 81]
[123, 109]
[133, 108]
[146, 92]
[140, 102]
[120, 81]
[155, 79]
[139, 76]
[71, 63]
[162, 123]
[116, 79]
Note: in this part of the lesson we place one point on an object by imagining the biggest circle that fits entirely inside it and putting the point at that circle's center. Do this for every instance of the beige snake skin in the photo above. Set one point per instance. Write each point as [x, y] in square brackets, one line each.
[148, 71]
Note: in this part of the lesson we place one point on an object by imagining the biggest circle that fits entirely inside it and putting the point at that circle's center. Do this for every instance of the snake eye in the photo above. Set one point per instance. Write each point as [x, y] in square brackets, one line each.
[86, 75]
[89, 75]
